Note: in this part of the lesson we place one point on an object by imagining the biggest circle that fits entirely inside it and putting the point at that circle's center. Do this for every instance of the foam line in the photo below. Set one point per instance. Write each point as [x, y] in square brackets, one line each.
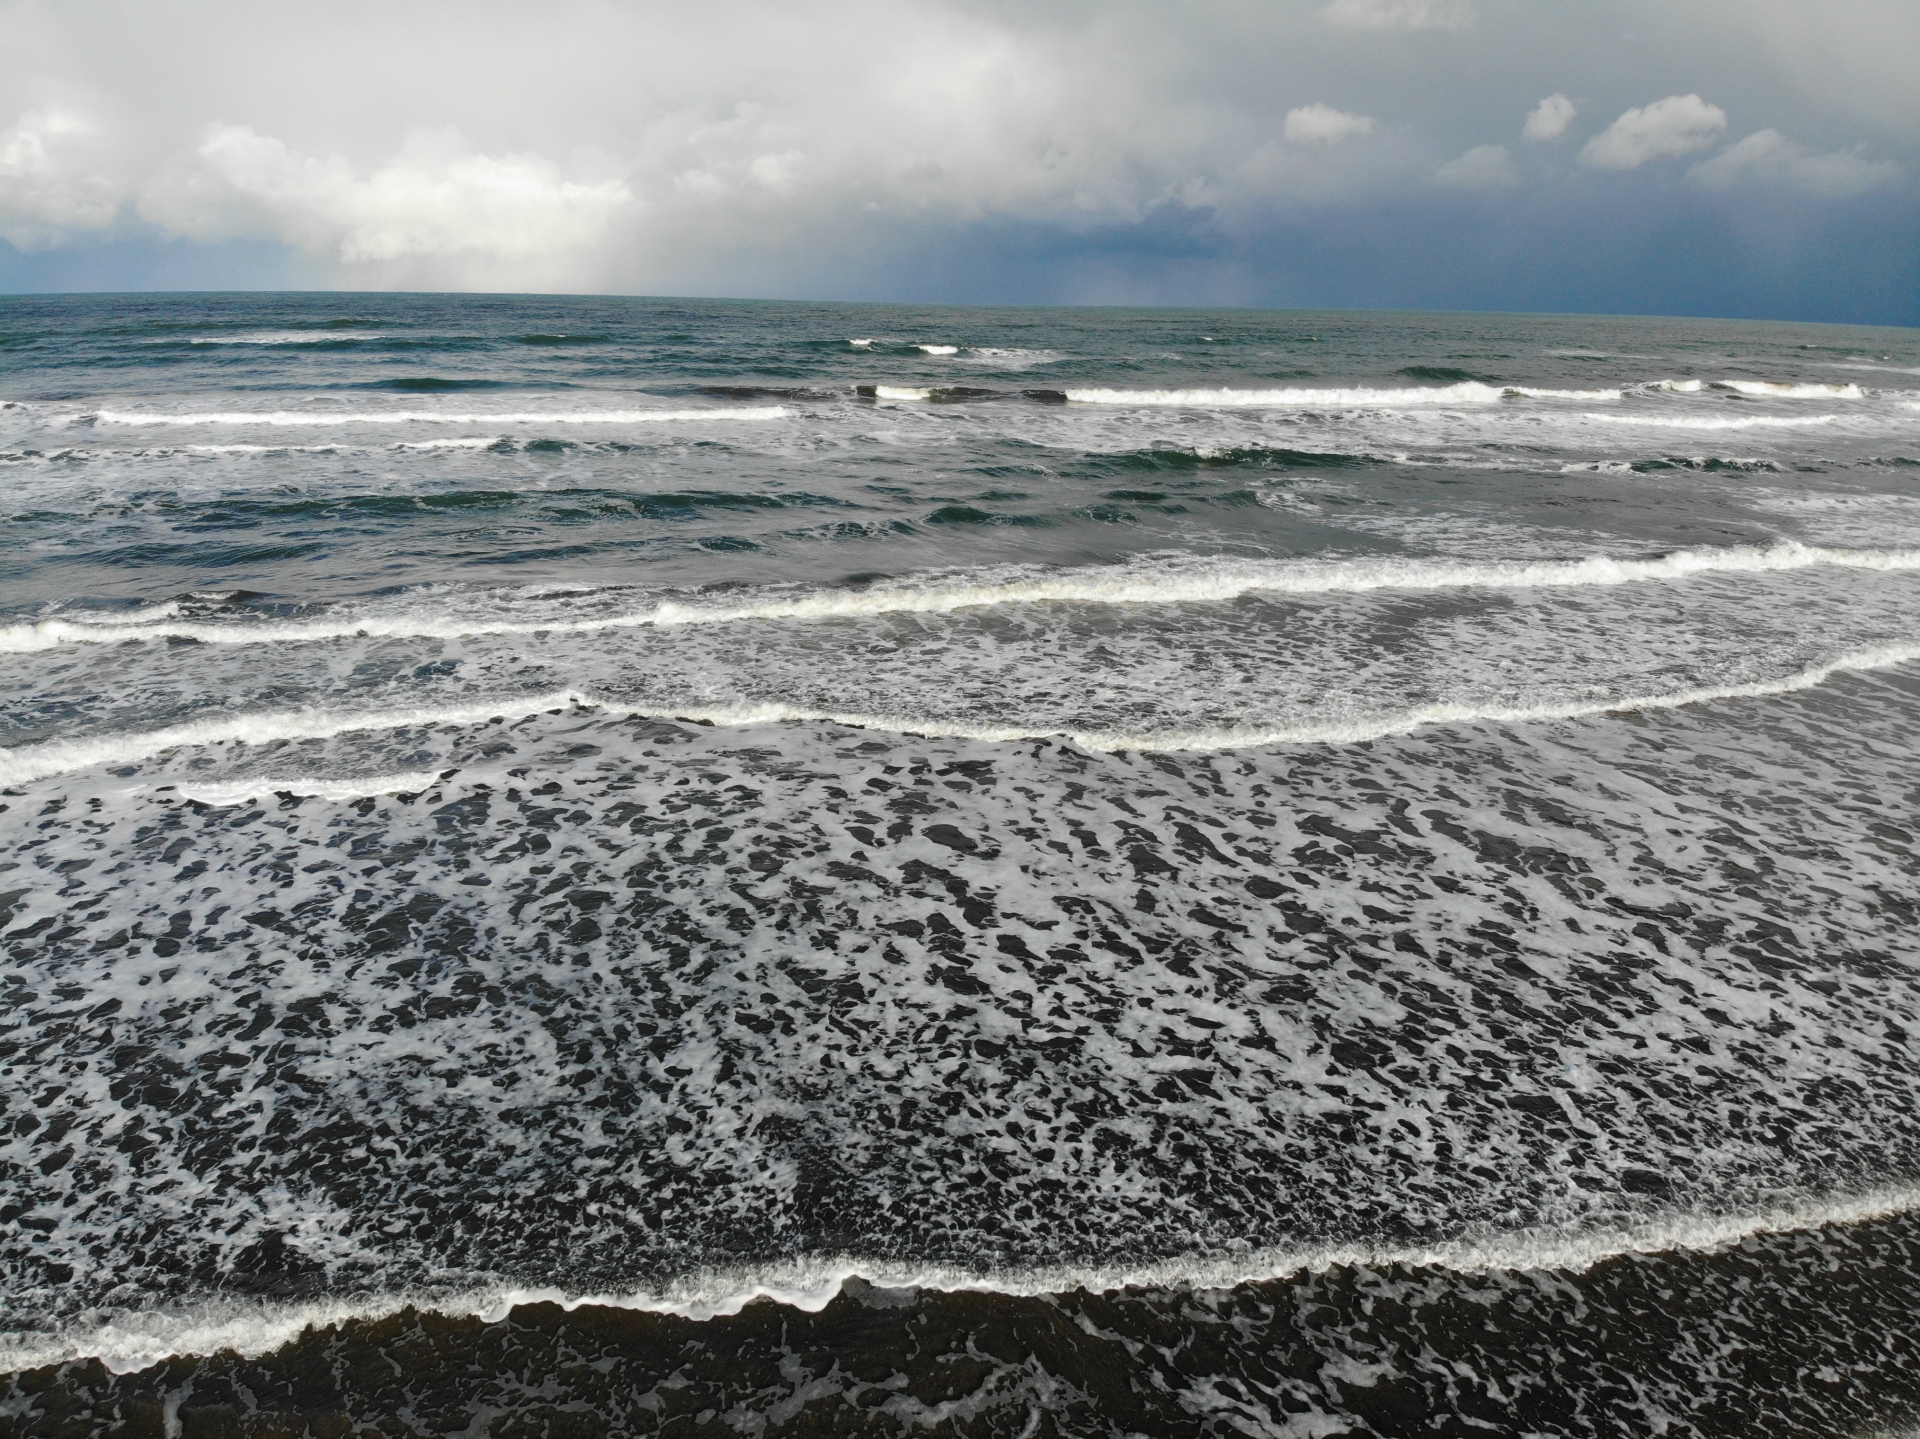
[1711, 422]
[1346, 729]
[432, 417]
[1775, 390]
[1213, 581]
[286, 337]
[34, 762]
[260, 787]
[130, 1342]
[1467, 392]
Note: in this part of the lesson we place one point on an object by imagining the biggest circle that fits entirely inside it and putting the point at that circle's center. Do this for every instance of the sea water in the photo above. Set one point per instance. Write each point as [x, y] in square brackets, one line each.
[655, 803]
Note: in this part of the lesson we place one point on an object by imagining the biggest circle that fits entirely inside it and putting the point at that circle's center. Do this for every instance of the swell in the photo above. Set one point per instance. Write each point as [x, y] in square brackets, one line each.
[1211, 582]
[28, 763]
[431, 417]
[131, 1341]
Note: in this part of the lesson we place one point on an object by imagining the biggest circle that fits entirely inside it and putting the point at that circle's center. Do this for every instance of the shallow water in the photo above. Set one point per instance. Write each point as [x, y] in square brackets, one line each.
[659, 802]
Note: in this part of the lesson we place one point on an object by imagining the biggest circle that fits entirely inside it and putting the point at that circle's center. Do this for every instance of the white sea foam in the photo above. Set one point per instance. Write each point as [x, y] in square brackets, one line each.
[26, 764]
[901, 392]
[998, 352]
[1467, 392]
[860, 344]
[1208, 581]
[1678, 387]
[431, 417]
[1774, 390]
[470, 442]
[247, 450]
[1339, 729]
[287, 337]
[940, 349]
[128, 1342]
[1714, 422]
[308, 786]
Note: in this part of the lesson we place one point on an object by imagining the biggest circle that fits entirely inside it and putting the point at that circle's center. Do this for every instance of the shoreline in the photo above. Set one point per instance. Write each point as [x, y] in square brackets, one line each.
[259, 1328]
[1636, 1339]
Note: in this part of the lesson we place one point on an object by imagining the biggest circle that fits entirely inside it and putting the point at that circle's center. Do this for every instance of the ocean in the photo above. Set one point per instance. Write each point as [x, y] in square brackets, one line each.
[584, 866]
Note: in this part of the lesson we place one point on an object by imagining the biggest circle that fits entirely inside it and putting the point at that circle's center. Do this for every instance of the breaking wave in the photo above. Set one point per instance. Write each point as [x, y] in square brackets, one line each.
[29, 763]
[1162, 582]
[1466, 392]
[1715, 422]
[1778, 391]
[429, 417]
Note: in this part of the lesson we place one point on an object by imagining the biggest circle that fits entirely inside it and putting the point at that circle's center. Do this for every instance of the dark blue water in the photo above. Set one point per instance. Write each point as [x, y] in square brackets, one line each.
[661, 800]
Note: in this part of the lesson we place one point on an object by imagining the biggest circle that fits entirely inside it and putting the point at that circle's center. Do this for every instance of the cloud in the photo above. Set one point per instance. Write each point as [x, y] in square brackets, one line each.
[1767, 157]
[1677, 125]
[434, 199]
[48, 193]
[1484, 167]
[764, 148]
[1549, 119]
[1322, 124]
[1399, 14]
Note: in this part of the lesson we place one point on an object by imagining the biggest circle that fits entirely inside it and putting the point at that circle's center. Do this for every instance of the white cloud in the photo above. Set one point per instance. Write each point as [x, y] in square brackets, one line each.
[767, 147]
[1767, 157]
[434, 199]
[1399, 14]
[48, 193]
[1549, 119]
[1322, 124]
[1484, 167]
[1677, 125]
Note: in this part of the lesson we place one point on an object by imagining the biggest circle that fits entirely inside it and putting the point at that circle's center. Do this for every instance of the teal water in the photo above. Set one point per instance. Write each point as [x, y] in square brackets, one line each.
[519, 796]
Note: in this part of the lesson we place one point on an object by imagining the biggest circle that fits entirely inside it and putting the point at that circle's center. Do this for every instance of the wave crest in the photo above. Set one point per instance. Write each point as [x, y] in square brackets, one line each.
[429, 417]
[29, 763]
[1135, 584]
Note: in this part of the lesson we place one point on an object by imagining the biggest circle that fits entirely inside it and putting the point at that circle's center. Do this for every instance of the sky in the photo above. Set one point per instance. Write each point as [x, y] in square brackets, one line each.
[1755, 158]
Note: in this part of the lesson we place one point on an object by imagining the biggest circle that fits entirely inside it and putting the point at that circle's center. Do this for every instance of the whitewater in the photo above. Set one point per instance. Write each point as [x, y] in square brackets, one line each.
[1076, 835]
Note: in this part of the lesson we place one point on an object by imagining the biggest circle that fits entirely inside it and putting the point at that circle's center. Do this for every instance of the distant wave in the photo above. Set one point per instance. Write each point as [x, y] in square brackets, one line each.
[429, 417]
[1140, 583]
[28, 763]
[1466, 392]
[1716, 422]
[129, 1342]
[285, 337]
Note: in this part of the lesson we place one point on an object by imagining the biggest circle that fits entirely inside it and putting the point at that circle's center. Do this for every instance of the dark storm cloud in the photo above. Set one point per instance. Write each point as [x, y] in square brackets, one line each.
[1724, 156]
